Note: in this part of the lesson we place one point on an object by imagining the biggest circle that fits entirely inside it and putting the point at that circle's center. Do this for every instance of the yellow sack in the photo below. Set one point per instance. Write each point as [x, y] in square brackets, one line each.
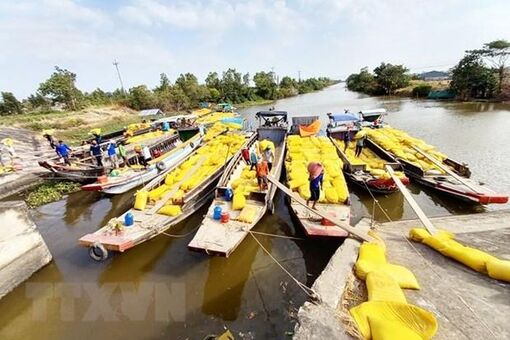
[381, 287]
[178, 196]
[169, 179]
[473, 258]
[304, 192]
[263, 144]
[331, 195]
[499, 269]
[382, 329]
[170, 210]
[295, 183]
[372, 252]
[418, 234]
[247, 215]
[403, 276]
[397, 314]
[238, 201]
[141, 200]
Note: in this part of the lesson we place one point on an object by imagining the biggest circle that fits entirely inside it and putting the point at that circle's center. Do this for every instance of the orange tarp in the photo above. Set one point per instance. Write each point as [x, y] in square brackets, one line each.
[310, 130]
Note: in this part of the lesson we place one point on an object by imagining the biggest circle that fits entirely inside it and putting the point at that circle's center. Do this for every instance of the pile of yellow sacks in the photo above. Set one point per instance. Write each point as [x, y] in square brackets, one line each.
[132, 128]
[400, 144]
[211, 156]
[215, 117]
[242, 186]
[301, 151]
[386, 314]
[201, 112]
[215, 130]
[444, 242]
[373, 163]
[149, 135]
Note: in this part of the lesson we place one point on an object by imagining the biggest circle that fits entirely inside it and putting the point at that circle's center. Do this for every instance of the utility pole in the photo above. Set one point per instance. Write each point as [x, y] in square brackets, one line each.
[116, 63]
[299, 76]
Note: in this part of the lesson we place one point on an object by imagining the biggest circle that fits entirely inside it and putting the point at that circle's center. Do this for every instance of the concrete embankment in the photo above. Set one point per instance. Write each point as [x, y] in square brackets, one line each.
[22, 249]
[467, 304]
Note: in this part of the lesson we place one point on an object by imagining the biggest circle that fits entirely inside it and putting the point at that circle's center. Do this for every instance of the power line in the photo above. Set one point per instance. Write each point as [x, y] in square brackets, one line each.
[116, 63]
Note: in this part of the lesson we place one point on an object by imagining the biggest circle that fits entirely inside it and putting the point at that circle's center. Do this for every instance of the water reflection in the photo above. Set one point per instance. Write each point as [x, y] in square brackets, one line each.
[78, 205]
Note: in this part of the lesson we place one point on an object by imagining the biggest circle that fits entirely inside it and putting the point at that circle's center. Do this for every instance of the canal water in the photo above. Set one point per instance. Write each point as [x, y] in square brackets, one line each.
[161, 290]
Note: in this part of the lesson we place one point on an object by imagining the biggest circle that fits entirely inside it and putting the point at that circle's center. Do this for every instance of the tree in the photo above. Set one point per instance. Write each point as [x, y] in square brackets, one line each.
[164, 83]
[60, 87]
[232, 87]
[98, 97]
[212, 80]
[140, 98]
[265, 85]
[391, 77]
[179, 98]
[37, 102]
[472, 79]
[496, 53]
[9, 104]
[363, 81]
[288, 87]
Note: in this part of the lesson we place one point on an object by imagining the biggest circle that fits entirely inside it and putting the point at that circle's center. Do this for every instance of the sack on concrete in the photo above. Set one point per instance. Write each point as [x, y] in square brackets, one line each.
[499, 269]
[381, 287]
[397, 314]
[382, 329]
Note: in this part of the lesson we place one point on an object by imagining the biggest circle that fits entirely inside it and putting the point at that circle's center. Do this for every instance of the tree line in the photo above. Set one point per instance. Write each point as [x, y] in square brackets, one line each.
[480, 74]
[60, 91]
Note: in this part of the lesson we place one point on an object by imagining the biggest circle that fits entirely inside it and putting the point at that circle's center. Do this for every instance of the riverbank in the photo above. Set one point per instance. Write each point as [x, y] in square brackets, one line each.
[463, 301]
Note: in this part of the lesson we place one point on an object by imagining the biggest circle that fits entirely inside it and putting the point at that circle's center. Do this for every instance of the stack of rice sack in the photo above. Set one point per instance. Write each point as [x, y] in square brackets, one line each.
[373, 163]
[201, 112]
[212, 157]
[386, 314]
[215, 117]
[400, 144]
[214, 131]
[301, 151]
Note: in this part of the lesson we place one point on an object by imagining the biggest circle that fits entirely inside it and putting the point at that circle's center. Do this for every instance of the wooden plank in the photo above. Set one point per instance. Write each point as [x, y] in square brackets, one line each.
[421, 215]
[445, 169]
[299, 200]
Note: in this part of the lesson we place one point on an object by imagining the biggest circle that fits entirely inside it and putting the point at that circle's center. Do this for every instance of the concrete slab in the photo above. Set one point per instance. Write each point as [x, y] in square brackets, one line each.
[22, 249]
[467, 304]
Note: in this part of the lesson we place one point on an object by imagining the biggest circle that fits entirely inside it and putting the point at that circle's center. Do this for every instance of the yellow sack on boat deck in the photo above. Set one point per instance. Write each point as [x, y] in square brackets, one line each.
[248, 214]
[295, 183]
[398, 315]
[178, 196]
[499, 269]
[418, 234]
[238, 201]
[169, 179]
[304, 192]
[263, 144]
[331, 195]
[381, 287]
[170, 210]
[141, 200]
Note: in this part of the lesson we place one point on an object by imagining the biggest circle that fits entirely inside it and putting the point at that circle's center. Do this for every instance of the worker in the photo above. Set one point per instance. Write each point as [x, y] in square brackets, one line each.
[246, 155]
[165, 126]
[51, 140]
[146, 153]
[98, 138]
[112, 153]
[360, 143]
[268, 156]
[316, 175]
[62, 151]
[347, 138]
[253, 159]
[122, 152]
[140, 158]
[97, 152]
[262, 171]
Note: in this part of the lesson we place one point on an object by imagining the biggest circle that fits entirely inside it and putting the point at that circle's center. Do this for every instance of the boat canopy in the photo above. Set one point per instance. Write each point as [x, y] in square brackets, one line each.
[343, 117]
[272, 118]
[373, 112]
[271, 114]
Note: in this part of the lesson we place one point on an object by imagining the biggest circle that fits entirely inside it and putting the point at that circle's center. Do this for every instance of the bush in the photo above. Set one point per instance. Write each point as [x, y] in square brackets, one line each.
[421, 90]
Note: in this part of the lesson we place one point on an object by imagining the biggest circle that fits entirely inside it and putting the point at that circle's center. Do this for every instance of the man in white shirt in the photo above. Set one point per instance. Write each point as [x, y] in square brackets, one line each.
[268, 156]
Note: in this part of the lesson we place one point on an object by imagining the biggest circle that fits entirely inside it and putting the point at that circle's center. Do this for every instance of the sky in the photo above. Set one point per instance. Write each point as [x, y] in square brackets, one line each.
[330, 38]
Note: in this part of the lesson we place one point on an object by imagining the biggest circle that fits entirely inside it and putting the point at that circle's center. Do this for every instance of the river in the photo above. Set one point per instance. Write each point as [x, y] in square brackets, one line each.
[246, 293]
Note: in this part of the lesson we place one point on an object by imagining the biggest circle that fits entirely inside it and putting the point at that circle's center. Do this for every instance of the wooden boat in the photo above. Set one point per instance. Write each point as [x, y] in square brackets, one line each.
[84, 168]
[166, 153]
[318, 149]
[172, 186]
[368, 171]
[432, 169]
[216, 238]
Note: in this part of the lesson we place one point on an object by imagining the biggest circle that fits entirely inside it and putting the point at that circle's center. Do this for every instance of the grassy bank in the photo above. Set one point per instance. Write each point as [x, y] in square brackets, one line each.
[434, 85]
[254, 103]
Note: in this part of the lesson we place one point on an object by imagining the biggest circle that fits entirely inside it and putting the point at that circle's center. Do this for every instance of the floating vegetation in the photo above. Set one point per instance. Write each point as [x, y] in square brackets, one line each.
[50, 192]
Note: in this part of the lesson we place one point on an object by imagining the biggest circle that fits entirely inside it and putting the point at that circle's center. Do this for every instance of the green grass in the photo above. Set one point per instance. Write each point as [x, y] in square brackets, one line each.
[254, 103]
[48, 192]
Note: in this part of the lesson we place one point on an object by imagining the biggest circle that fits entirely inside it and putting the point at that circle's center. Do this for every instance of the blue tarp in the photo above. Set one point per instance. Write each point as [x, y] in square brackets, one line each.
[234, 120]
[344, 117]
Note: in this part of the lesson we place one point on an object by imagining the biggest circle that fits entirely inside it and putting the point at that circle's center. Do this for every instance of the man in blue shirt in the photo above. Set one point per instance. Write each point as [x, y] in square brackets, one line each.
[95, 151]
[112, 153]
[63, 151]
[316, 178]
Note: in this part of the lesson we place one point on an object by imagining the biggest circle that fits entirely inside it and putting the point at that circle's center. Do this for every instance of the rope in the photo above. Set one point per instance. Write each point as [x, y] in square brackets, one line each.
[181, 235]
[279, 236]
[429, 265]
[308, 291]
